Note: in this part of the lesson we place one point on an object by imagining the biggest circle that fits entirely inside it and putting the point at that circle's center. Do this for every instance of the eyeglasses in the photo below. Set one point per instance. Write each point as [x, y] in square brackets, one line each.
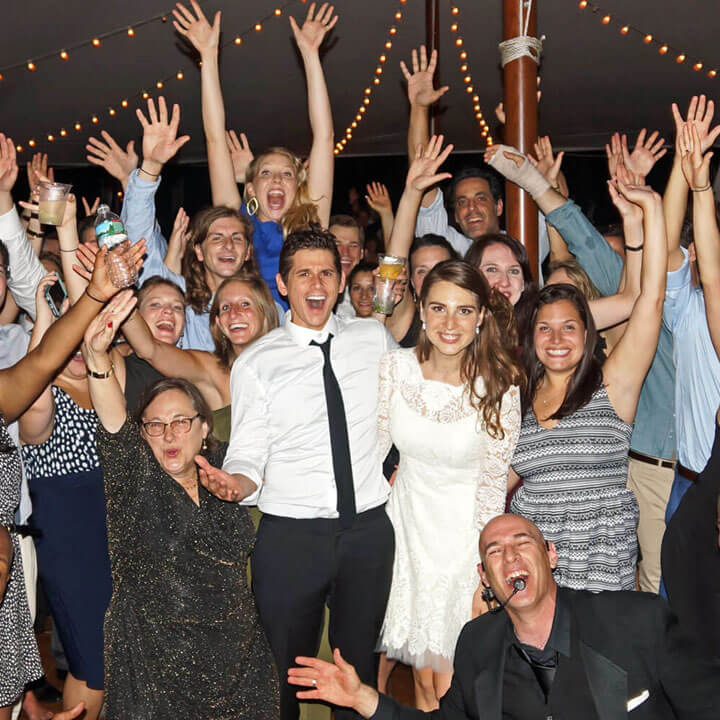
[155, 428]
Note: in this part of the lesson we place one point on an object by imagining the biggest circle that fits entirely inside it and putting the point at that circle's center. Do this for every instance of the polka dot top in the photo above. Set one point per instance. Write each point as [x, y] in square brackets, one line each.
[71, 448]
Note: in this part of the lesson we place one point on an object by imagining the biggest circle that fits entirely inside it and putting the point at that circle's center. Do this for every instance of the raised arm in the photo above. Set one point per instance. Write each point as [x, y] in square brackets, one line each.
[625, 369]
[107, 154]
[195, 366]
[22, 383]
[422, 95]
[614, 309]
[700, 112]
[178, 242]
[423, 173]
[696, 168]
[26, 270]
[378, 198]
[321, 167]
[205, 38]
[105, 392]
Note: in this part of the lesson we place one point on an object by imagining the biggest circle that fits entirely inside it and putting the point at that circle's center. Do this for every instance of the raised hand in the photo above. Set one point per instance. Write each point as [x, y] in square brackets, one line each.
[546, 163]
[695, 165]
[45, 317]
[90, 209]
[160, 141]
[613, 152]
[336, 683]
[423, 170]
[93, 267]
[420, 82]
[179, 235]
[109, 155]
[69, 216]
[38, 171]
[628, 210]
[644, 155]
[642, 195]
[218, 482]
[240, 154]
[205, 38]
[101, 331]
[8, 164]
[378, 198]
[700, 111]
[310, 36]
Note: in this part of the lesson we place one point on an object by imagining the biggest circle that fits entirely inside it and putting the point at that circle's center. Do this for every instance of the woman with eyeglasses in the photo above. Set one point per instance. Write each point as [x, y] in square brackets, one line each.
[182, 636]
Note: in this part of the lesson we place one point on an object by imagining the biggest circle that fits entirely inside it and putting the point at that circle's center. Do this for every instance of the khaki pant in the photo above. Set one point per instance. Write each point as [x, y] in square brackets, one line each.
[29, 558]
[651, 486]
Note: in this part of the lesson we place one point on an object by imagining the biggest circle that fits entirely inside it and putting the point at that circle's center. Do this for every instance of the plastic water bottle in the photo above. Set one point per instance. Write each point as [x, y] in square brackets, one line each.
[111, 233]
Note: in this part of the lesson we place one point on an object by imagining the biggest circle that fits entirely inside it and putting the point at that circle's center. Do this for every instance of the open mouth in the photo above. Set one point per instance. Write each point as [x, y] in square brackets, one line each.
[510, 579]
[165, 325]
[316, 302]
[230, 259]
[276, 200]
[449, 338]
[238, 327]
[172, 452]
[558, 353]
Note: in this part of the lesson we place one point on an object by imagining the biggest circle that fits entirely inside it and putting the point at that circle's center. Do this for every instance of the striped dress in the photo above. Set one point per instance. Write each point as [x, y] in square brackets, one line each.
[575, 490]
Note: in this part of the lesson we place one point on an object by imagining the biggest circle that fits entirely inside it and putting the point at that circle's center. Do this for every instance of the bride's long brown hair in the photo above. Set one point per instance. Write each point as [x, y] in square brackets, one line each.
[487, 356]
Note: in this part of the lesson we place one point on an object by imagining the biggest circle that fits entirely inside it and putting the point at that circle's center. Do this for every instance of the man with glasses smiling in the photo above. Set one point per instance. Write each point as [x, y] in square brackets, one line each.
[547, 652]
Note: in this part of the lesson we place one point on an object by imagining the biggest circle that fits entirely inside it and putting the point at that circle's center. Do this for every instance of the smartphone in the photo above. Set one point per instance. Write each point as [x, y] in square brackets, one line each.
[55, 295]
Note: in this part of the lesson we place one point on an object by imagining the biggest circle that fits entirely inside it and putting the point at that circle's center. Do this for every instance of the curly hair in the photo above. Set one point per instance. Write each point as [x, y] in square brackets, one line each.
[263, 299]
[197, 293]
[487, 355]
[303, 211]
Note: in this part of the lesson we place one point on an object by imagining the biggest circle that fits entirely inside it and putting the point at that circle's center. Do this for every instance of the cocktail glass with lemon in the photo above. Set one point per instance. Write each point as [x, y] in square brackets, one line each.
[389, 271]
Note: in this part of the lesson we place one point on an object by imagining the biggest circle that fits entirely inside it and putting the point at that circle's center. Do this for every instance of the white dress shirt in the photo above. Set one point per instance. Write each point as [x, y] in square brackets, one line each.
[280, 437]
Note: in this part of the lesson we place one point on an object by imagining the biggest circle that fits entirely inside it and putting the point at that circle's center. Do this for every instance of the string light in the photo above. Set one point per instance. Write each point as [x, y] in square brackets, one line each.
[647, 38]
[96, 41]
[464, 66]
[368, 90]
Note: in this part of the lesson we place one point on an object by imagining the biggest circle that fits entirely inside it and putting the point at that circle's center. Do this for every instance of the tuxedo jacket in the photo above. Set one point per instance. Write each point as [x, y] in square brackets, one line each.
[629, 659]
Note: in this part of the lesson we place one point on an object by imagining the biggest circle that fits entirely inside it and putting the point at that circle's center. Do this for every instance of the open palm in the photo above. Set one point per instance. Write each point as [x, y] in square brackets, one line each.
[196, 28]
[423, 170]
[160, 141]
[420, 82]
[310, 36]
[8, 164]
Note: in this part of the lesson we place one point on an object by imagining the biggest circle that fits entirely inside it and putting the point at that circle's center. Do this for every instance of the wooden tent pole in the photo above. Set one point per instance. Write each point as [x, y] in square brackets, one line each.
[432, 42]
[521, 125]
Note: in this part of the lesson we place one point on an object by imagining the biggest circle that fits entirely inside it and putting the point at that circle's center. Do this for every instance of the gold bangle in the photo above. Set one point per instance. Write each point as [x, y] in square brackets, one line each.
[101, 375]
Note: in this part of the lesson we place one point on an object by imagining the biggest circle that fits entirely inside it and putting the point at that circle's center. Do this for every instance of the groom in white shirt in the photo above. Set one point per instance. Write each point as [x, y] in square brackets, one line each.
[303, 447]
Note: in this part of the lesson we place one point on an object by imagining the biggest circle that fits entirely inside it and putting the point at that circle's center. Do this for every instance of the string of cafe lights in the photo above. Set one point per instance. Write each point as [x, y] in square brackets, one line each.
[606, 18]
[377, 79]
[236, 39]
[467, 77]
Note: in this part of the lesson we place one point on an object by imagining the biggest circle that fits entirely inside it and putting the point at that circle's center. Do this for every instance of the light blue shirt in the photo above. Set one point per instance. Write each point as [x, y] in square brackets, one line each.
[654, 431]
[697, 383]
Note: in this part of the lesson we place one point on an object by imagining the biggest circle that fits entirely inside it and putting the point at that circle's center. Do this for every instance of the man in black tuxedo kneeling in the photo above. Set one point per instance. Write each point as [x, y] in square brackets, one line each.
[551, 653]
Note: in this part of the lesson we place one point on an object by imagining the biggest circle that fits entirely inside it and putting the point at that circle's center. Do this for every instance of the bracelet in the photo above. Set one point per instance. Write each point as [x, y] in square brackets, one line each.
[702, 189]
[101, 375]
[633, 249]
[87, 292]
[32, 233]
[34, 216]
[142, 169]
[72, 251]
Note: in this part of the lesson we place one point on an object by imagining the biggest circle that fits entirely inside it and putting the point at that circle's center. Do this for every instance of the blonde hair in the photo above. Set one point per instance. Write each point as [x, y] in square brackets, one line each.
[580, 279]
[263, 299]
[303, 211]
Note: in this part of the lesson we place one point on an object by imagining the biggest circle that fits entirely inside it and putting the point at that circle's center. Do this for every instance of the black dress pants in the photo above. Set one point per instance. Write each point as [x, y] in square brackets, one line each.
[298, 566]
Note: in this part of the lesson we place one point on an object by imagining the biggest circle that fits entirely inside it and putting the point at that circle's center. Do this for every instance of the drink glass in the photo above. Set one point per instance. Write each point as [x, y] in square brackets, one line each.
[390, 269]
[53, 197]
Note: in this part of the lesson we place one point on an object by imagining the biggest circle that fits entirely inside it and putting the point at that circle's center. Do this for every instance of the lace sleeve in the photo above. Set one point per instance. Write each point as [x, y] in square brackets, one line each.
[492, 483]
[386, 382]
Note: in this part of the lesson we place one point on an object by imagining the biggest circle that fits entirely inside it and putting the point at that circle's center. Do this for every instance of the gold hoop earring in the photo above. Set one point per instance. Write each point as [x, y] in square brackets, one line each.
[252, 206]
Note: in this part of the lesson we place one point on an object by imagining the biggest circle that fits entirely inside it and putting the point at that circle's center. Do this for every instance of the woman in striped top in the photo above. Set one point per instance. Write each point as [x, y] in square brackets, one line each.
[574, 439]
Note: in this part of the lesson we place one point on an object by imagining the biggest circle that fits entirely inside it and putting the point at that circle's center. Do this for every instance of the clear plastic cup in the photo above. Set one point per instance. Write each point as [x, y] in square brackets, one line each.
[53, 197]
[390, 269]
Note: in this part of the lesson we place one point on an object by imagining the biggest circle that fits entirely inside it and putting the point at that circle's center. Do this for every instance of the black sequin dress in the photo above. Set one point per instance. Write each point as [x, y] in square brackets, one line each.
[182, 635]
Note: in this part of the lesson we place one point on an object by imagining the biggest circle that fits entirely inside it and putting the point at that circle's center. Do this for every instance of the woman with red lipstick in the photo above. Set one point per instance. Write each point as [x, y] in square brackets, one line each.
[242, 311]
[573, 449]
[452, 408]
[182, 635]
[281, 194]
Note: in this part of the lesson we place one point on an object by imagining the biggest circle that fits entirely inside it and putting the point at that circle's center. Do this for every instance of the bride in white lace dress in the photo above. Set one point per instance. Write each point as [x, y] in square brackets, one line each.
[455, 449]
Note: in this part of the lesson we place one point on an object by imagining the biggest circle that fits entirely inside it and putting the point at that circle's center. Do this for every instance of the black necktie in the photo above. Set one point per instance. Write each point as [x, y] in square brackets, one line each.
[544, 669]
[339, 443]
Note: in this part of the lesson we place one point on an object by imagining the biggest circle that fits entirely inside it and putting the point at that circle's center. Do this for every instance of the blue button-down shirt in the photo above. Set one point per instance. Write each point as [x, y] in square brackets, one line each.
[697, 384]
[654, 432]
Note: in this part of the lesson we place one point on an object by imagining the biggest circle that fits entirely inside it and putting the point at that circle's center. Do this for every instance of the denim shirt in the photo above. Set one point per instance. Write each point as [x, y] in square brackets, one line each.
[654, 431]
[697, 387]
